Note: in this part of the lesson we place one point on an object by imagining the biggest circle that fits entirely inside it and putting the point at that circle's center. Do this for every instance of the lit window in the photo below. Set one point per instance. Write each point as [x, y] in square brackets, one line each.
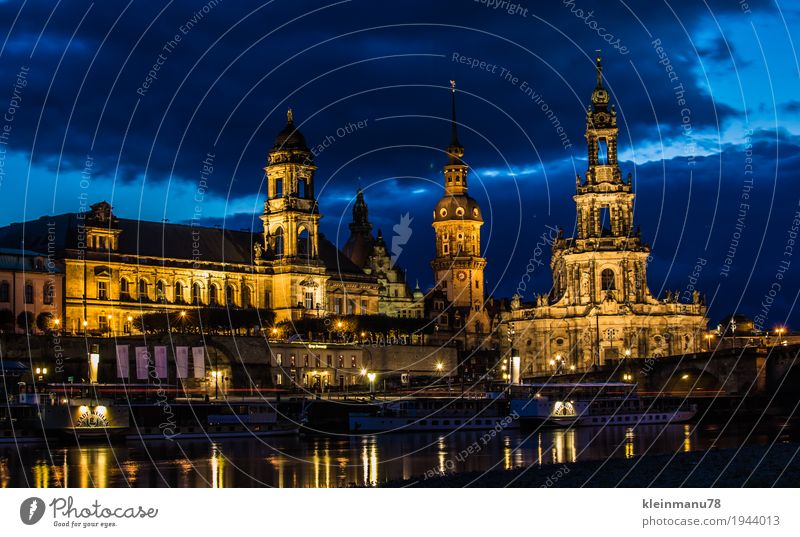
[102, 290]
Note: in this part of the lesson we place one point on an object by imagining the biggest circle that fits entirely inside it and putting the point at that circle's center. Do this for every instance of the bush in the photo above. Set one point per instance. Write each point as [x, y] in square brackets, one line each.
[44, 321]
[205, 320]
[6, 320]
[25, 321]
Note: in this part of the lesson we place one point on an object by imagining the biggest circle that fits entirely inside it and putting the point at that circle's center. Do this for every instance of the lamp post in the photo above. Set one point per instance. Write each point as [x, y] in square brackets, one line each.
[371, 377]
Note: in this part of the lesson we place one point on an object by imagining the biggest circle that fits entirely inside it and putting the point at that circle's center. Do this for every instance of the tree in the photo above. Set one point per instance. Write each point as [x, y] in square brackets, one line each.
[44, 321]
[25, 321]
[6, 320]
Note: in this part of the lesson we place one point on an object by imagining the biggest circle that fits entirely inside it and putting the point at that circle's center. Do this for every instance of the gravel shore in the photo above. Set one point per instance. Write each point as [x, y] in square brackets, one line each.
[750, 466]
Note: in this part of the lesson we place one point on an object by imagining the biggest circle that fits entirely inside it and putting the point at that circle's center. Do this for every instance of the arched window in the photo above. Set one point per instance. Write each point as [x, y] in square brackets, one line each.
[161, 291]
[124, 289]
[607, 280]
[230, 295]
[178, 292]
[279, 242]
[29, 293]
[304, 242]
[5, 291]
[212, 295]
[142, 290]
[246, 294]
[197, 297]
[48, 292]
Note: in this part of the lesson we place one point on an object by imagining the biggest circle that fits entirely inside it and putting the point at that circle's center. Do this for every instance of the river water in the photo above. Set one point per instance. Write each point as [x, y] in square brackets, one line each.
[363, 460]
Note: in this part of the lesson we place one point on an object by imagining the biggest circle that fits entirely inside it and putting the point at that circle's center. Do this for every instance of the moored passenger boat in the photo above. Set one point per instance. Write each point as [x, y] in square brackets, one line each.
[594, 404]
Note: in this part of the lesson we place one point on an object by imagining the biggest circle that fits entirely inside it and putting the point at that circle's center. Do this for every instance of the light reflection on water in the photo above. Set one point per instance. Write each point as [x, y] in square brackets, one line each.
[319, 461]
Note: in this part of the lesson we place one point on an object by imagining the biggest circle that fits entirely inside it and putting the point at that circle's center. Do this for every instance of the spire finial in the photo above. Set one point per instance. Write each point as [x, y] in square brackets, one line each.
[289, 116]
[599, 64]
[453, 129]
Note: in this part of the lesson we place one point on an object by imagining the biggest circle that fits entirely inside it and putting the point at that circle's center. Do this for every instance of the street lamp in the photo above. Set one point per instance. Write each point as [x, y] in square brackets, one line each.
[627, 353]
[371, 377]
[708, 337]
[439, 367]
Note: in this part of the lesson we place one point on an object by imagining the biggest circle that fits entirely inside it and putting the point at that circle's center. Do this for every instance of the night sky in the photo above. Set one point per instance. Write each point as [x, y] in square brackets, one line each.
[706, 95]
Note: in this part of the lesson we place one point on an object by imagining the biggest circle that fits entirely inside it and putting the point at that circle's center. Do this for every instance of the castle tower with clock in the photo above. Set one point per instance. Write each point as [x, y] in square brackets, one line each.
[458, 266]
[600, 308]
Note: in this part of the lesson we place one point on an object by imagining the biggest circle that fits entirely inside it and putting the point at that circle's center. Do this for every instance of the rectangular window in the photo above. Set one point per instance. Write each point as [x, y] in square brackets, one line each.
[102, 290]
[278, 188]
[292, 361]
[337, 306]
[278, 379]
[341, 361]
[309, 300]
[446, 249]
[353, 361]
[363, 307]
[317, 360]
[102, 323]
[351, 307]
[279, 359]
[330, 360]
[305, 360]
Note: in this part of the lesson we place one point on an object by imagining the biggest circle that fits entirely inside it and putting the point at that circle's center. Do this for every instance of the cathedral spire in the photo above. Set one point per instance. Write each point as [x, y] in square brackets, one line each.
[453, 123]
[599, 95]
[360, 213]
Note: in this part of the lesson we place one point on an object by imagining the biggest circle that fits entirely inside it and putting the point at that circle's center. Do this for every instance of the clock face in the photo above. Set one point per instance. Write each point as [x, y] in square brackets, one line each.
[462, 275]
[602, 117]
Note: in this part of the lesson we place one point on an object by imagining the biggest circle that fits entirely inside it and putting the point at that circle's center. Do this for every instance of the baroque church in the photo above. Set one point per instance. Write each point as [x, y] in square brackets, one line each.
[600, 308]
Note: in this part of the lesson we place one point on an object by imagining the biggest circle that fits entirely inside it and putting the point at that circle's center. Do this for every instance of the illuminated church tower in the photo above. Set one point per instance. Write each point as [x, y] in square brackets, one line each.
[291, 222]
[458, 265]
[600, 308]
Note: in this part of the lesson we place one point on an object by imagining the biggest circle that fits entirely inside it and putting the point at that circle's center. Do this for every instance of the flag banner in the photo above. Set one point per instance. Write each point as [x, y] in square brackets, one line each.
[123, 367]
[199, 359]
[182, 362]
[161, 361]
[142, 356]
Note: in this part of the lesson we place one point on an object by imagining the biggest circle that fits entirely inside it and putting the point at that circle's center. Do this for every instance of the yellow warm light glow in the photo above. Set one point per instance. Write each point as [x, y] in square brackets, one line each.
[44, 371]
[339, 324]
[56, 321]
[371, 376]
[85, 323]
[440, 366]
[83, 409]
[100, 409]
[38, 370]
[130, 318]
[108, 317]
[552, 362]
[363, 372]
[572, 367]
[183, 314]
[685, 376]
